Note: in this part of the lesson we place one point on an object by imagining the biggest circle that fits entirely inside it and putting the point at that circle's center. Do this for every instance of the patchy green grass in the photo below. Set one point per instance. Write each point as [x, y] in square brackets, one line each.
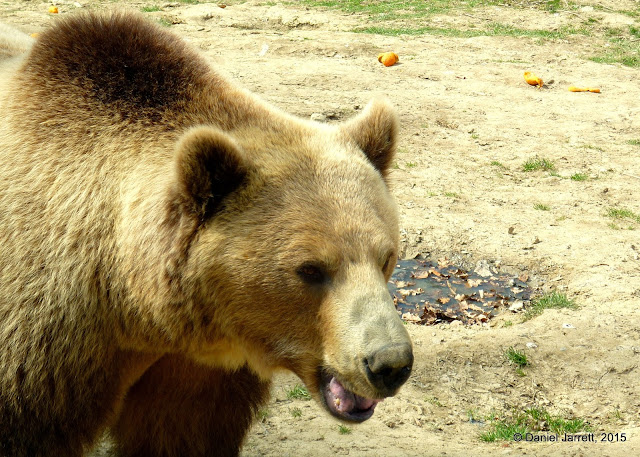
[296, 412]
[434, 401]
[537, 164]
[344, 430]
[557, 424]
[623, 47]
[516, 357]
[298, 392]
[389, 9]
[495, 163]
[150, 9]
[619, 45]
[553, 300]
[412, 8]
[451, 194]
[619, 227]
[492, 29]
[411, 164]
[634, 142]
[165, 22]
[503, 431]
[579, 177]
[411, 17]
[503, 427]
[541, 207]
[623, 214]
[592, 147]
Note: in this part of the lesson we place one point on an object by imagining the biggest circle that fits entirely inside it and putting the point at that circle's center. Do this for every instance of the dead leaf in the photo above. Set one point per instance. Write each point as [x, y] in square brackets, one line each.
[411, 318]
[422, 274]
[473, 307]
[428, 317]
[407, 292]
[443, 262]
[403, 284]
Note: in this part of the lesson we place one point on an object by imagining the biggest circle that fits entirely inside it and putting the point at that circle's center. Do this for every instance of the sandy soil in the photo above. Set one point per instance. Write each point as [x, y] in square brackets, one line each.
[463, 104]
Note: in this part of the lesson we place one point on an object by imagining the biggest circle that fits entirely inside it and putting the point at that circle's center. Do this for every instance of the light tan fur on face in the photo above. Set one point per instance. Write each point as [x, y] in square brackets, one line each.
[153, 220]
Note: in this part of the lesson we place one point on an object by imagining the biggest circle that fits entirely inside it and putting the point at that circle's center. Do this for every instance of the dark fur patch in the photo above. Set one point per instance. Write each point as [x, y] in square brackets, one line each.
[119, 60]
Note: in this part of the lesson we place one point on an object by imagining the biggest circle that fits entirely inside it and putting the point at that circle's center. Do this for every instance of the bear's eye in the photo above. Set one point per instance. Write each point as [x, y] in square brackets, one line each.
[312, 274]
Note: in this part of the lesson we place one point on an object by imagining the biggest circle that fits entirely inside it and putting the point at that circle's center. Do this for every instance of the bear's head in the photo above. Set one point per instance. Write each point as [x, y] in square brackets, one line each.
[296, 238]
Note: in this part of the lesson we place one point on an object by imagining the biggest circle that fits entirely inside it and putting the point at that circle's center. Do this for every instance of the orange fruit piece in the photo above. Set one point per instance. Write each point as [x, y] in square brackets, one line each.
[53, 9]
[388, 58]
[584, 89]
[532, 79]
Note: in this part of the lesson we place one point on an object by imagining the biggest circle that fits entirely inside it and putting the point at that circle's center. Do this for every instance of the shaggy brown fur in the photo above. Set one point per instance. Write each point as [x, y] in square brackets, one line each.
[168, 240]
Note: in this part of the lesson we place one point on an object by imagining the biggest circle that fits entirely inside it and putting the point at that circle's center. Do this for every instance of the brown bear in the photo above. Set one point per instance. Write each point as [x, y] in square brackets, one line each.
[168, 240]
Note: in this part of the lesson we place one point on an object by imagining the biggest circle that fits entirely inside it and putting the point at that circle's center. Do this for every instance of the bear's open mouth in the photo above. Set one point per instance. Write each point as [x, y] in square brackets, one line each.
[343, 403]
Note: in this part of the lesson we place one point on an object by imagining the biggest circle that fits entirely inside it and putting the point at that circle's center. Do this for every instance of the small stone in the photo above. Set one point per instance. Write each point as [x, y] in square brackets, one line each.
[263, 50]
[516, 306]
[531, 345]
[318, 117]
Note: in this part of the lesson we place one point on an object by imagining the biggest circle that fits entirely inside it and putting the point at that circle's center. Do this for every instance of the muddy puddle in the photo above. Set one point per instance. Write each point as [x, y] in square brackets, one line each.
[430, 292]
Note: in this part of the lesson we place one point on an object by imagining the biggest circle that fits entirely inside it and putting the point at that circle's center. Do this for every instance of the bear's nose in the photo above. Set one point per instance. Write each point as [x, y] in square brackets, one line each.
[389, 367]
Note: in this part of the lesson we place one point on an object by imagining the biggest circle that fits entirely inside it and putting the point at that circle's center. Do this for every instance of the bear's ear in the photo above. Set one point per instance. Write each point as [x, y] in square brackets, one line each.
[375, 132]
[209, 166]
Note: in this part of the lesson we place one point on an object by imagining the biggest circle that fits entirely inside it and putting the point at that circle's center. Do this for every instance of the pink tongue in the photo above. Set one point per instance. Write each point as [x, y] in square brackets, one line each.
[346, 401]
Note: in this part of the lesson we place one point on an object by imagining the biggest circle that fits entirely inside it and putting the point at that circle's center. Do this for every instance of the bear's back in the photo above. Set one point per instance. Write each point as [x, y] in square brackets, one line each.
[116, 62]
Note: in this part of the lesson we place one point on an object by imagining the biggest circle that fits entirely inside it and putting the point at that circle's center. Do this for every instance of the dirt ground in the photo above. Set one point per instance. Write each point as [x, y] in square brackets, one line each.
[469, 122]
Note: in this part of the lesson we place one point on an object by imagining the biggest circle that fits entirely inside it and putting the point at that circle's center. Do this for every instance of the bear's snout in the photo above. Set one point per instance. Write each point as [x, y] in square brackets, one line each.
[389, 367]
